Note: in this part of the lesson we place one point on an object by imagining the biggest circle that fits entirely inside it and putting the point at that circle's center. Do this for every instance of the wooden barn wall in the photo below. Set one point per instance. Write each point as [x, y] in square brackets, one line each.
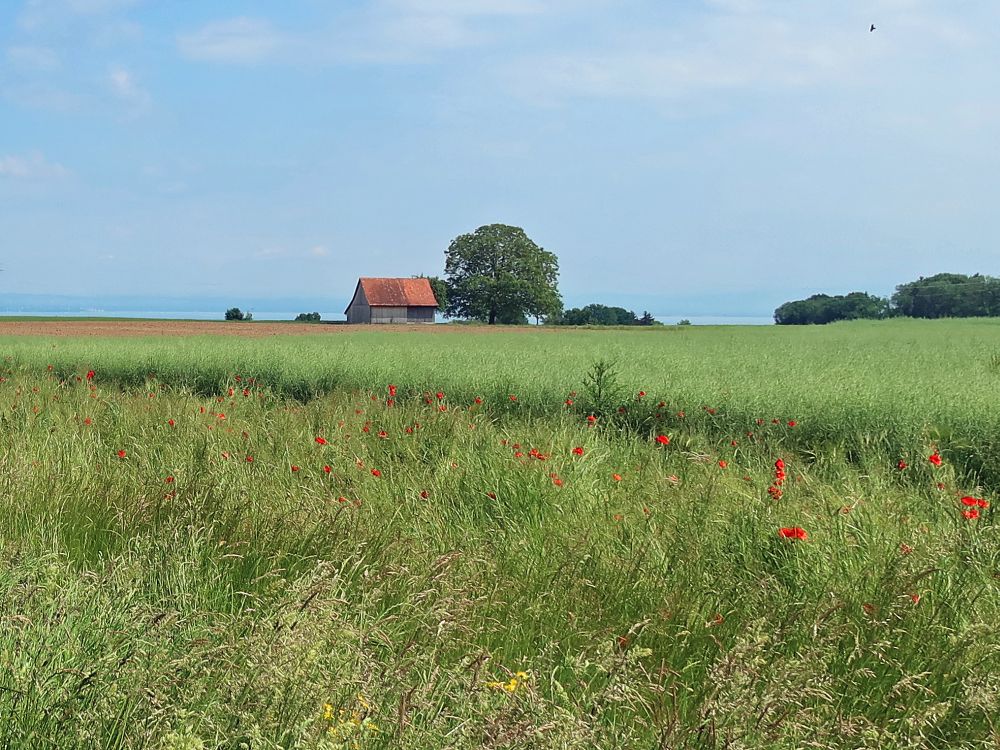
[420, 315]
[359, 311]
[388, 315]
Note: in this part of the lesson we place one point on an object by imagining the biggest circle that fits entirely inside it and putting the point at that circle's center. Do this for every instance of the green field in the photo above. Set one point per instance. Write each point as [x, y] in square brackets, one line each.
[477, 564]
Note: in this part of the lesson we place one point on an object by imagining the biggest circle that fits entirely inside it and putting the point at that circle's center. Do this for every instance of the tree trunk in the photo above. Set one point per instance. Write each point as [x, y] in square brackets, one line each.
[493, 316]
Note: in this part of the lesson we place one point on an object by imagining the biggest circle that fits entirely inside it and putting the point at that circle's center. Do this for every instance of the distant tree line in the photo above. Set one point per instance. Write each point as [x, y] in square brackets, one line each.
[944, 295]
[602, 315]
[822, 308]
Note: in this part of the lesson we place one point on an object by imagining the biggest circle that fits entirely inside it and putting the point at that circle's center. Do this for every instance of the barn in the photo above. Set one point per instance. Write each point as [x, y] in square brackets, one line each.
[392, 301]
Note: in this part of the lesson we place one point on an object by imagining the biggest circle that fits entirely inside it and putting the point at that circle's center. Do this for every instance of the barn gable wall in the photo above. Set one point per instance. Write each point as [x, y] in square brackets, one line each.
[359, 311]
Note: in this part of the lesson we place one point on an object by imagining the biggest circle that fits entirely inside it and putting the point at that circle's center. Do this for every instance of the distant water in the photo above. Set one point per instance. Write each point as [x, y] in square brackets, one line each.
[215, 315]
[698, 320]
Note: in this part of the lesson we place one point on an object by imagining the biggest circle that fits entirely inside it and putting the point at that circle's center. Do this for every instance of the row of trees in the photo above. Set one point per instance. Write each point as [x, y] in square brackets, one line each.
[602, 315]
[944, 295]
[822, 308]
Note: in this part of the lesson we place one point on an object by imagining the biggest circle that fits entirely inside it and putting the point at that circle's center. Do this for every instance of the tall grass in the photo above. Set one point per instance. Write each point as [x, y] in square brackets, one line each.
[473, 594]
[892, 383]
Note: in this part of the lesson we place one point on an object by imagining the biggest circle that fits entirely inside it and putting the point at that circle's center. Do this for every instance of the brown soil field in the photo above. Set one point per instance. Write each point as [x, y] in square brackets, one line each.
[126, 328]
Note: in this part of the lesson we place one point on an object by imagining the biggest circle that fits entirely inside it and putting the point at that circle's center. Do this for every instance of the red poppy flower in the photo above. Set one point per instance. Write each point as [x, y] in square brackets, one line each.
[376, 473]
[557, 482]
[327, 469]
[122, 453]
[249, 459]
[663, 440]
[578, 451]
[424, 494]
[383, 434]
[972, 514]
[774, 492]
[901, 465]
[294, 468]
[935, 458]
[983, 503]
[723, 464]
[642, 394]
[970, 501]
[321, 441]
[392, 390]
[491, 495]
[792, 422]
[793, 532]
[90, 374]
[617, 477]
[591, 418]
[569, 402]
[88, 421]
[904, 548]
[171, 422]
[512, 397]
[440, 395]
[478, 399]
[169, 480]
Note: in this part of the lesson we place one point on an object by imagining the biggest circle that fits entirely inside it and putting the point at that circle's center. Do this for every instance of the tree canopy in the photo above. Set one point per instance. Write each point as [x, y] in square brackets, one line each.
[948, 295]
[822, 308]
[944, 295]
[440, 288]
[234, 313]
[498, 275]
[602, 315]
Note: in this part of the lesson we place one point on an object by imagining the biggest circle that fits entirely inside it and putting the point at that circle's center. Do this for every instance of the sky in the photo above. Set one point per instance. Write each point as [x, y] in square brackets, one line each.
[703, 157]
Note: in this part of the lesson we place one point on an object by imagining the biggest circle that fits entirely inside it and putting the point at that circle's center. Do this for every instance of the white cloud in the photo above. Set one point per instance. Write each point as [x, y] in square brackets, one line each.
[744, 45]
[467, 7]
[32, 166]
[32, 57]
[124, 85]
[38, 13]
[237, 40]
[381, 31]
[319, 251]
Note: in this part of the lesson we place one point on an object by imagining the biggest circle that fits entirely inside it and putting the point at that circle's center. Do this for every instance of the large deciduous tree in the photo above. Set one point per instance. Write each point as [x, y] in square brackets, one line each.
[498, 275]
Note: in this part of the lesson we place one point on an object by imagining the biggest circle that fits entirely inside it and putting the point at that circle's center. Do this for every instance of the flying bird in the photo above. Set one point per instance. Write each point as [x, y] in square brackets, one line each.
[872, 28]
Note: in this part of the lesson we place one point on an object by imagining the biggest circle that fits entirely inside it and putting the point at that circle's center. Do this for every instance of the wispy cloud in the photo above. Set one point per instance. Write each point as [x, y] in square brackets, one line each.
[236, 40]
[31, 57]
[126, 88]
[741, 46]
[379, 31]
[39, 13]
[32, 166]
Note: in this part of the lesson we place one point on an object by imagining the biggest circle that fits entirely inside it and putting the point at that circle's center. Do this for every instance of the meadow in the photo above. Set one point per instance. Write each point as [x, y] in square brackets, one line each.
[686, 537]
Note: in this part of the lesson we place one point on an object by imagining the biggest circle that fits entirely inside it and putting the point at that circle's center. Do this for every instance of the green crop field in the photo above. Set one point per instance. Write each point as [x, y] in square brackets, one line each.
[674, 538]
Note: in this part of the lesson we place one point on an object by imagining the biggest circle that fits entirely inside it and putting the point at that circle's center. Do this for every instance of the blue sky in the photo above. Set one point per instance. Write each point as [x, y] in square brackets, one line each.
[706, 157]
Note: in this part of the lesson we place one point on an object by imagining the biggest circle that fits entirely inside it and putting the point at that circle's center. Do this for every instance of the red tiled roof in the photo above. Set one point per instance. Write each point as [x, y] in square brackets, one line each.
[398, 292]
